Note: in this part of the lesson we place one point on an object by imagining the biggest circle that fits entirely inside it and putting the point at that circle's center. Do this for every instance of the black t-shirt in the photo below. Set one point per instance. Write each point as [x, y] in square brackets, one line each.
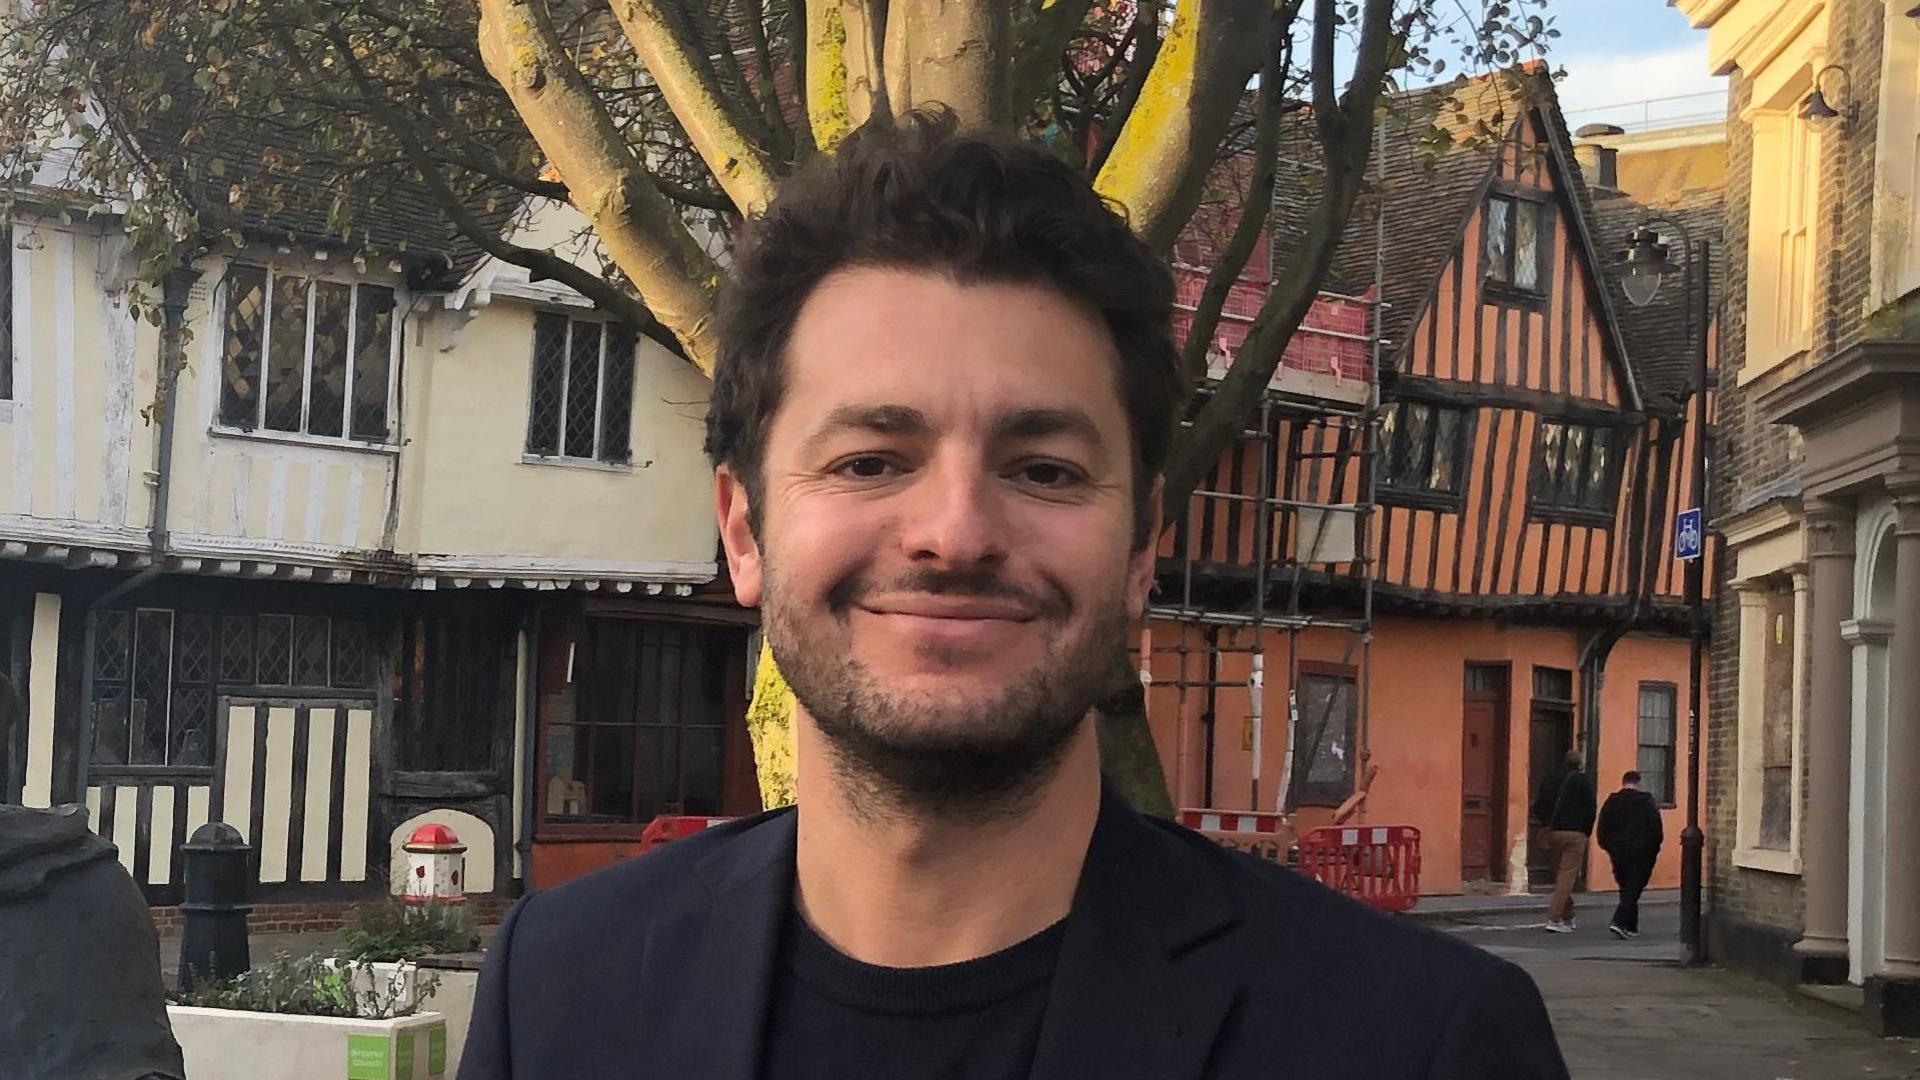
[832, 1017]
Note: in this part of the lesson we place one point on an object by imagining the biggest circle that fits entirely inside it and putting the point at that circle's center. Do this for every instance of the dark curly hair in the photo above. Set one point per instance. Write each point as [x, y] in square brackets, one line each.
[919, 194]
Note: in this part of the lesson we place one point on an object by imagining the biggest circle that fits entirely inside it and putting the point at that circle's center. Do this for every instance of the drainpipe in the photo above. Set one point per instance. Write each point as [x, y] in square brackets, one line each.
[1643, 545]
[529, 775]
[173, 306]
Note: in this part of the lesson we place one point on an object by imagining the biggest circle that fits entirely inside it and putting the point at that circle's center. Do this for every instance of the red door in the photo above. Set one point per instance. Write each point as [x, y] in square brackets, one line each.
[1483, 771]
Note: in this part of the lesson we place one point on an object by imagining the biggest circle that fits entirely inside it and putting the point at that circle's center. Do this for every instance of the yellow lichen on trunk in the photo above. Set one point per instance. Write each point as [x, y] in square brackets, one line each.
[770, 725]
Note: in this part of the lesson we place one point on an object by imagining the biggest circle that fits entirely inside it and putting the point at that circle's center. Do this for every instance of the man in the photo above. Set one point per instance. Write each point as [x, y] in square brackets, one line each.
[1564, 808]
[945, 391]
[1630, 832]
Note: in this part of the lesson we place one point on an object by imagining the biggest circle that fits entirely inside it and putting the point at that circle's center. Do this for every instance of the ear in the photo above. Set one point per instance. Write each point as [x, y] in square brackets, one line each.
[731, 505]
[1140, 564]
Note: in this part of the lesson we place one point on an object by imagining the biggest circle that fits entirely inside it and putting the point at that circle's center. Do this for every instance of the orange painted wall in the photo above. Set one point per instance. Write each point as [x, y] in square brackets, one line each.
[1413, 724]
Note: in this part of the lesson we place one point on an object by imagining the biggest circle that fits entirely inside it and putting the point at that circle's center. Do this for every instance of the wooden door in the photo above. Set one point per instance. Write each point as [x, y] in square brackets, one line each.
[1549, 739]
[1483, 772]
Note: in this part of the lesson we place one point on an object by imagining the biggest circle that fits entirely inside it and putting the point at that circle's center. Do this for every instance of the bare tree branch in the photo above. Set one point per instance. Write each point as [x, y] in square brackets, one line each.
[951, 53]
[1038, 37]
[678, 65]
[1232, 257]
[1161, 157]
[603, 293]
[640, 228]
[1346, 145]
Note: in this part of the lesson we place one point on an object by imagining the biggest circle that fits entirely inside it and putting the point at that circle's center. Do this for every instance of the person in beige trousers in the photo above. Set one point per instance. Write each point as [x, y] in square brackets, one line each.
[1564, 807]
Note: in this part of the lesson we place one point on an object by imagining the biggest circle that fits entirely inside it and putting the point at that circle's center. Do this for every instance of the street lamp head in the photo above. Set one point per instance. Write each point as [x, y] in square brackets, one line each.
[1644, 261]
[1816, 108]
[1819, 108]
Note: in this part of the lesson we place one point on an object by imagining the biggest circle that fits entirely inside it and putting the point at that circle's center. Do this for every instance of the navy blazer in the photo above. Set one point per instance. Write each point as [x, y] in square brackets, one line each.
[1182, 960]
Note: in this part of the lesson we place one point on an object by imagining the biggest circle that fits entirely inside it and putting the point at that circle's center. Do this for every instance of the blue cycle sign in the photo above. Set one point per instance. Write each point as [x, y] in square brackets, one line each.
[1688, 536]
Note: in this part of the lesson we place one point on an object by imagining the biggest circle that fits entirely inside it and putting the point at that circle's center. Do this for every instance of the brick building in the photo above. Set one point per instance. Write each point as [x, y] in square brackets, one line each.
[1814, 812]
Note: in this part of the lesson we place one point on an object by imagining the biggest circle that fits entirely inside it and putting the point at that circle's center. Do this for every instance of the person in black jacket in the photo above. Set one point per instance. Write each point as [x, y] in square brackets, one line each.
[1630, 832]
[942, 405]
[1564, 808]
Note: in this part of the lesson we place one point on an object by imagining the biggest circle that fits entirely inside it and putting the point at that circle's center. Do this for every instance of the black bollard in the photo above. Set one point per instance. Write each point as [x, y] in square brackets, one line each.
[213, 943]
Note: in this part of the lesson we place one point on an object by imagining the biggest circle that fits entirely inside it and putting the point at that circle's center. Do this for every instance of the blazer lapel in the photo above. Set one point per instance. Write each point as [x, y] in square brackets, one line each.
[1121, 1003]
[708, 969]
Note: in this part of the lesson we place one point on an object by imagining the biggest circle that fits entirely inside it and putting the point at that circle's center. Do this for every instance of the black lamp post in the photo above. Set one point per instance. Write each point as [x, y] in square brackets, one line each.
[1646, 260]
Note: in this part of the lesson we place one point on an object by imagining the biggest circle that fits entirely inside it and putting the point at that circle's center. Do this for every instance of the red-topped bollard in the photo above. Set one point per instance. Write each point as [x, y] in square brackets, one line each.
[436, 863]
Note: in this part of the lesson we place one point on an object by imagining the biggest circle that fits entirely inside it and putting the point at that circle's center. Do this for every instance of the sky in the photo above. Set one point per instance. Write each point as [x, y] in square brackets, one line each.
[1621, 54]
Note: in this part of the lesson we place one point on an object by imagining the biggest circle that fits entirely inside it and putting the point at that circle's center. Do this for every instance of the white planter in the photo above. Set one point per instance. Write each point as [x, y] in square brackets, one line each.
[229, 1044]
[452, 997]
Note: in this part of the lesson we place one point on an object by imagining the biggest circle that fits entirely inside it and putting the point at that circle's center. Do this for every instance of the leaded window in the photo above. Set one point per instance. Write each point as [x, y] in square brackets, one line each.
[306, 356]
[158, 674]
[153, 688]
[1516, 239]
[581, 395]
[1575, 471]
[1424, 452]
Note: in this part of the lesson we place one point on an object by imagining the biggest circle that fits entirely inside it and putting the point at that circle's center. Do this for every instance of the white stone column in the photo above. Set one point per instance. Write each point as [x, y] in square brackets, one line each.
[1867, 824]
[1823, 855]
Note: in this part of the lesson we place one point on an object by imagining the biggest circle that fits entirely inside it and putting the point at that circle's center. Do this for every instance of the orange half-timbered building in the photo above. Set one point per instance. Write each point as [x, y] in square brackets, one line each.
[1455, 582]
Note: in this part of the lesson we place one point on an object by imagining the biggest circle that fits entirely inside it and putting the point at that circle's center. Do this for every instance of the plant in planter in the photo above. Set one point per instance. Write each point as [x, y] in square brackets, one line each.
[312, 1016]
[393, 931]
[314, 985]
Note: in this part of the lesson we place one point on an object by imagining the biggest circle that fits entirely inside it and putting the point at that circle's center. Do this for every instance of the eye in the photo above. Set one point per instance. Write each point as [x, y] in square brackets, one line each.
[1048, 474]
[866, 467]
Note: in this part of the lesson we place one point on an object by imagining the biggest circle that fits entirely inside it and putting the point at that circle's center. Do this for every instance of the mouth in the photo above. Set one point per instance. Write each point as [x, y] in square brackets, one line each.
[950, 609]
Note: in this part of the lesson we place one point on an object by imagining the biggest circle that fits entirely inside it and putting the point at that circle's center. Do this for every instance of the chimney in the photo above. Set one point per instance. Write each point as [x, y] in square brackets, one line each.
[1599, 164]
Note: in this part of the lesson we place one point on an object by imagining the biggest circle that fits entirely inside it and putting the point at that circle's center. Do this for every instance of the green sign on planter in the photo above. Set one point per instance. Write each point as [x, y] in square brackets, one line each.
[403, 1055]
[367, 1057]
[437, 1050]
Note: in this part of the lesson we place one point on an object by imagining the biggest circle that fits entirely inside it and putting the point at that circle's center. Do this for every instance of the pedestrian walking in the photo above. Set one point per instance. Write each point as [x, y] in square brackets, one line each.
[1563, 807]
[1630, 832]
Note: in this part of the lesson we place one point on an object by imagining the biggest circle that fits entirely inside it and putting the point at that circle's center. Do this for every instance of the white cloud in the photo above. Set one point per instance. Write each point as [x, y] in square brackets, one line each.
[1629, 90]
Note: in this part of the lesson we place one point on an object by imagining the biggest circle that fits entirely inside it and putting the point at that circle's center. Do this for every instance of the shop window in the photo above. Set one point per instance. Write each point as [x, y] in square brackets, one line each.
[642, 730]
[306, 356]
[1657, 729]
[581, 406]
[1324, 735]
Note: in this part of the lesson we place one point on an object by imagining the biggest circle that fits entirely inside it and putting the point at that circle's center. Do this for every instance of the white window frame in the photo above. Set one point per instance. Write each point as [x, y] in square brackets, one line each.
[345, 439]
[1784, 231]
[560, 456]
[1895, 255]
[1750, 784]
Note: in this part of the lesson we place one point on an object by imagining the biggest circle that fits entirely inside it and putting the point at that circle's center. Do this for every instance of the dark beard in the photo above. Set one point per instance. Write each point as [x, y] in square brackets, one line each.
[954, 762]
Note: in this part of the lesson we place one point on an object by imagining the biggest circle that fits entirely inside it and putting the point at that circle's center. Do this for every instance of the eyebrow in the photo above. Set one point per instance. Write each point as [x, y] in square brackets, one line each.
[880, 419]
[1035, 423]
[1028, 423]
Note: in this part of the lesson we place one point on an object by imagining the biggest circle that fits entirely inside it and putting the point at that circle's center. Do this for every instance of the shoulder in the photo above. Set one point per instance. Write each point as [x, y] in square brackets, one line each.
[1309, 958]
[620, 902]
[1312, 920]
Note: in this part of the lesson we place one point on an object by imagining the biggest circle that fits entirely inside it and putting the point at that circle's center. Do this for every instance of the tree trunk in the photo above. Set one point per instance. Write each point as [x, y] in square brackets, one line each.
[770, 727]
[1127, 752]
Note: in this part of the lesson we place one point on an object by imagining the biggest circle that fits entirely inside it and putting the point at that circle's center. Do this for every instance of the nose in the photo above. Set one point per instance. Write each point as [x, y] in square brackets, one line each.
[953, 520]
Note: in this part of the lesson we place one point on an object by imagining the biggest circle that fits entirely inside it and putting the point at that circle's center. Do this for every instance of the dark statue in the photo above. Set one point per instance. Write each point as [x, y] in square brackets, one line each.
[80, 990]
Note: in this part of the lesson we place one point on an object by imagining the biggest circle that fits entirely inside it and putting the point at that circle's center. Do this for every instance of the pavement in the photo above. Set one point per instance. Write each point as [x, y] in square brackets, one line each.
[1630, 1010]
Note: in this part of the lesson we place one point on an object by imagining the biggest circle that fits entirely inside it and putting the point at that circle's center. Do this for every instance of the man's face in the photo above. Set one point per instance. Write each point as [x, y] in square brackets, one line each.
[944, 553]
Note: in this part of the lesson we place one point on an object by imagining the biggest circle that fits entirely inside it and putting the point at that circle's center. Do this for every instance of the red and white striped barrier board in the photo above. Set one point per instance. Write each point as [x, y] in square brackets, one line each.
[1259, 833]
